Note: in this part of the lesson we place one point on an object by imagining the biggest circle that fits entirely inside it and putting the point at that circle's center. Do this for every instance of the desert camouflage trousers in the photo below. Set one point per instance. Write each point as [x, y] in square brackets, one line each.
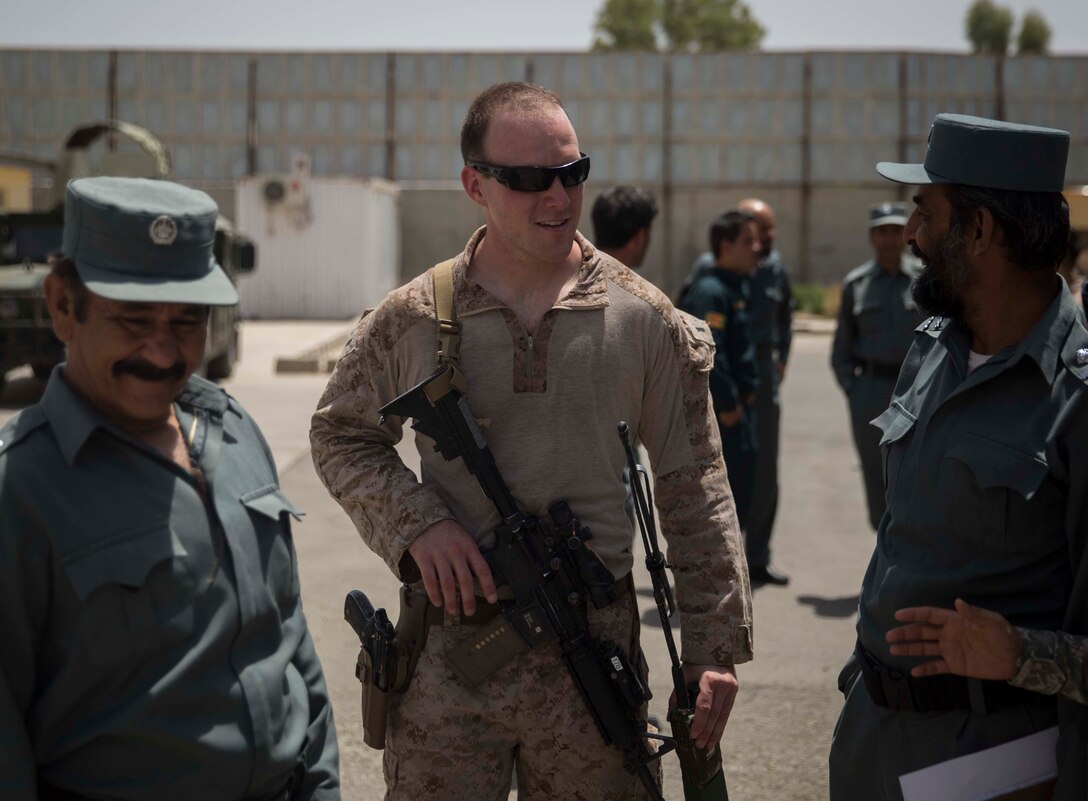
[447, 741]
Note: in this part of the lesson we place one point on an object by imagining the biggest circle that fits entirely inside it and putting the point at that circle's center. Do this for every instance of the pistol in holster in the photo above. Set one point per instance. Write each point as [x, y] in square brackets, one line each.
[387, 656]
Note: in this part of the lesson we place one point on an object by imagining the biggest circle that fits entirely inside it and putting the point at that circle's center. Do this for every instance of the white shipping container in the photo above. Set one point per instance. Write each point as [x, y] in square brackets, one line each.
[325, 251]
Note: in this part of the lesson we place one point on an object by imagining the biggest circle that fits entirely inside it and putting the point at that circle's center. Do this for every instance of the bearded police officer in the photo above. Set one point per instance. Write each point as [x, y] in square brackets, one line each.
[558, 342]
[986, 469]
[152, 641]
[877, 317]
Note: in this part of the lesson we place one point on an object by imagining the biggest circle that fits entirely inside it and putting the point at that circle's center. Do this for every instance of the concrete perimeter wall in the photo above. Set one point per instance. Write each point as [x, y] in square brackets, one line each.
[802, 130]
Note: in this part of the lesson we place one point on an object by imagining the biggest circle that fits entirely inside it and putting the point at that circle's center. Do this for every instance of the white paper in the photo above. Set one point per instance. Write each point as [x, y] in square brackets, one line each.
[985, 774]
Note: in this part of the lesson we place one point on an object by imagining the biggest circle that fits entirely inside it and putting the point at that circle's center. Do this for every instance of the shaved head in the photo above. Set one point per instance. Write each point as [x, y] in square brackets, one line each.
[766, 222]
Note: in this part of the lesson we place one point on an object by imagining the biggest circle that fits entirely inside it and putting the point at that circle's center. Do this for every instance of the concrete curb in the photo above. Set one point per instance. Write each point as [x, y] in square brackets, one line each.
[319, 359]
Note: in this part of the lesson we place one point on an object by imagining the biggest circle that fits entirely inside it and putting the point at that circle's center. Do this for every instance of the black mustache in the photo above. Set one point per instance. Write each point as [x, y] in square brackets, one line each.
[149, 372]
[918, 254]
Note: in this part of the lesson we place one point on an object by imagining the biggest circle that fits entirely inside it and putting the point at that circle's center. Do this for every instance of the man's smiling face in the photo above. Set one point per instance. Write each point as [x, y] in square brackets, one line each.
[534, 227]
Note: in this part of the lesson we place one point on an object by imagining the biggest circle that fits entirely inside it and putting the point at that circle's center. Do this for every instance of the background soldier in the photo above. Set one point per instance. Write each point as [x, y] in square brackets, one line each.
[770, 320]
[154, 645]
[986, 470]
[622, 218]
[877, 317]
[558, 343]
[722, 299]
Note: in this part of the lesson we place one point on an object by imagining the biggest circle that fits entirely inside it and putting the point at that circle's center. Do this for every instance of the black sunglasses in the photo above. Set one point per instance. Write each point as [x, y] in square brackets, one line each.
[535, 179]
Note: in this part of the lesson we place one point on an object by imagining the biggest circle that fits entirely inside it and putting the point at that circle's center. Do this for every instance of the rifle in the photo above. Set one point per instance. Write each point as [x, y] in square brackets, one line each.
[701, 768]
[551, 570]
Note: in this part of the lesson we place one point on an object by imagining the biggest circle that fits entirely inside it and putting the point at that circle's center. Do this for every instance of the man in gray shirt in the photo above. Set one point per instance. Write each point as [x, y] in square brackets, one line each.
[877, 317]
[153, 642]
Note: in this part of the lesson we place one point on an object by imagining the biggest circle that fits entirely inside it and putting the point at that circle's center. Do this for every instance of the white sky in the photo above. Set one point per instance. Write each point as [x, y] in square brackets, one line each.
[483, 25]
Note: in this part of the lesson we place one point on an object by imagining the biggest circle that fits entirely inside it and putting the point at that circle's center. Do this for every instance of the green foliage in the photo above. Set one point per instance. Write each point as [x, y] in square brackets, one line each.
[1034, 37]
[810, 298]
[988, 27]
[626, 25]
[682, 25]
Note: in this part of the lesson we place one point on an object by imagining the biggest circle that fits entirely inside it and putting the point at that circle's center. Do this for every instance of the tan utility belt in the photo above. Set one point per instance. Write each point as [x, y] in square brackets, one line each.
[496, 642]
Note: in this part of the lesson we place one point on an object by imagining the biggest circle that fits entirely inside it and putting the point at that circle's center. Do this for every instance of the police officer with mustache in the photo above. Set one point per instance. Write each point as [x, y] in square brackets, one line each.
[153, 642]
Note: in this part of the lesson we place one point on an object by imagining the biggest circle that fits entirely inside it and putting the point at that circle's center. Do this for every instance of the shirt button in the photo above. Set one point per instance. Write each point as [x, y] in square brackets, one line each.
[1082, 356]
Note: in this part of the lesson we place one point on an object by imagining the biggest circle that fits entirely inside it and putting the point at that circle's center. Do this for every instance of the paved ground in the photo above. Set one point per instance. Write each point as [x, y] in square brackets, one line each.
[777, 740]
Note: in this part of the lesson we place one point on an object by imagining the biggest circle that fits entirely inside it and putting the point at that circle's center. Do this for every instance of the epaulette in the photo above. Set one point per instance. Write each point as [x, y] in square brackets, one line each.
[858, 272]
[932, 326]
[19, 427]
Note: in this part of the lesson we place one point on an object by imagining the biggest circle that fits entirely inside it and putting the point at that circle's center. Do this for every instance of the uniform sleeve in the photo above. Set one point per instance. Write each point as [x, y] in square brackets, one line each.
[1053, 663]
[355, 456]
[785, 318]
[709, 306]
[25, 581]
[322, 758]
[694, 502]
[842, 347]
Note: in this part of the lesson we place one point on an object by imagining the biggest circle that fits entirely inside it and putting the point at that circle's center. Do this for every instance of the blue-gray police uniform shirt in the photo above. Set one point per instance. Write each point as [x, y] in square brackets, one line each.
[877, 318]
[152, 644]
[986, 477]
[771, 318]
[723, 301]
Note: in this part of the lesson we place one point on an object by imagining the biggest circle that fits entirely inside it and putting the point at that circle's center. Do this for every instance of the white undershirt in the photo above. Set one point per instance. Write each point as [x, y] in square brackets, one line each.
[976, 360]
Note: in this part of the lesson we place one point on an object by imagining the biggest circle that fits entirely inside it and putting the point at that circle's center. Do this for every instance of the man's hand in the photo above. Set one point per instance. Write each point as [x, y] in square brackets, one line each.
[448, 558]
[730, 419]
[967, 641]
[717, 691]
[781, 372]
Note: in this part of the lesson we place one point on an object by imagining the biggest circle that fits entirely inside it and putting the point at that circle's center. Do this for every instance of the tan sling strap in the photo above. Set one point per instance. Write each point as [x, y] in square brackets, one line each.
[449, 331]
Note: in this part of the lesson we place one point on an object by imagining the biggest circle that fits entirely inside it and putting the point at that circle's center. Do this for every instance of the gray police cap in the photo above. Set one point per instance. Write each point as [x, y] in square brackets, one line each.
[887, 214]
[134, 239]
[974, 151]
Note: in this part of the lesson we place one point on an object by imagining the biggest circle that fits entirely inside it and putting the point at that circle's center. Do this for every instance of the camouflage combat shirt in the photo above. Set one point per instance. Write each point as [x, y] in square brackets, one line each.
[548, 402]
[1054, 663]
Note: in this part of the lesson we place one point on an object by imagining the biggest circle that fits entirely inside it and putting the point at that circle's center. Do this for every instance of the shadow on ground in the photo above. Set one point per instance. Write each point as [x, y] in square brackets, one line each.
[846, 606]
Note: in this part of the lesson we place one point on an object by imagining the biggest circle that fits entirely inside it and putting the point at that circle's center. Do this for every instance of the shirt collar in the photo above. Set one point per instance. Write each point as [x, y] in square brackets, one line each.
[590, 291]
[73, 420]
[1054, 336]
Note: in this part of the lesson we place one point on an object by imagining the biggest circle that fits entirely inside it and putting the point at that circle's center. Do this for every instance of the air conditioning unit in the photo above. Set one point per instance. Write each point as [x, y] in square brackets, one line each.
[290, 193]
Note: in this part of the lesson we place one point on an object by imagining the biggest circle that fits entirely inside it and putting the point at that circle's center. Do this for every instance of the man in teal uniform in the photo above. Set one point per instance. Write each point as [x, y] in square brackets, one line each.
[877, 318]
[152, 643]
[722, 299]
[986, 472]
[771, 319]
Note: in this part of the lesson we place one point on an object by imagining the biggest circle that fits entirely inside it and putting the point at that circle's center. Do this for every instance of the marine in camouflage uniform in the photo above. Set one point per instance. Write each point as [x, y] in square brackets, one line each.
[877, 318]
[548, 397]
[986, 472]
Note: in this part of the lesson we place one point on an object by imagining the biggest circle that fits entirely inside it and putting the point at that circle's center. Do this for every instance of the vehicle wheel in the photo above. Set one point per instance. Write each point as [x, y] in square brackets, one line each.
[223, 365]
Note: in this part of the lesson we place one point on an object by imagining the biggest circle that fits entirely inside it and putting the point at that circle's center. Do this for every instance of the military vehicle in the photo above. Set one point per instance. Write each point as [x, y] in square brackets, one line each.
[27, 239]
